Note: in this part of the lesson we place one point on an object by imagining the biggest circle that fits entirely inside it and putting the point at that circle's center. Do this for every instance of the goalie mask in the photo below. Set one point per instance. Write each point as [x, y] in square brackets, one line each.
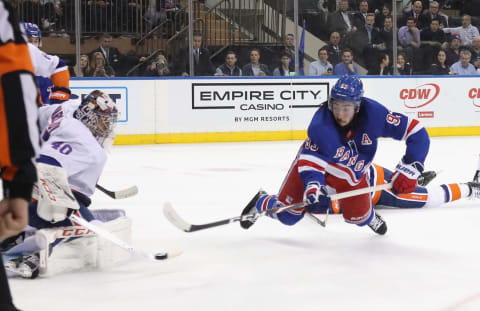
[99, 114]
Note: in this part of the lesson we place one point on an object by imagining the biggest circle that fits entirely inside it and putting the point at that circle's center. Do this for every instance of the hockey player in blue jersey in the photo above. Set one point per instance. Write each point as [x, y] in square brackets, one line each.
[421, 197]
[338, 153]
[51, 72]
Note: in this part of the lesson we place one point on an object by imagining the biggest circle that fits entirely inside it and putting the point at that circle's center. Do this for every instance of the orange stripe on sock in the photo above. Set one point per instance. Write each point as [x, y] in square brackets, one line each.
[456, 193]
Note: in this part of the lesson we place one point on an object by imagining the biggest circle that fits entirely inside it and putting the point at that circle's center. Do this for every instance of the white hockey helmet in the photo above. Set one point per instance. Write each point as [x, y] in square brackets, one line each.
[99, 114]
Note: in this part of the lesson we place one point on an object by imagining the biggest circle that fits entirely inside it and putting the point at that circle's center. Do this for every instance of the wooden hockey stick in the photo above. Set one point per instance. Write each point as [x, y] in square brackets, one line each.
[181, 224]
[121, 194]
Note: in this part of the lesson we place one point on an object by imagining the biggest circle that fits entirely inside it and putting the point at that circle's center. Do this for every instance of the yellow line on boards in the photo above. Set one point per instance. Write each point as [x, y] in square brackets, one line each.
[187, 138]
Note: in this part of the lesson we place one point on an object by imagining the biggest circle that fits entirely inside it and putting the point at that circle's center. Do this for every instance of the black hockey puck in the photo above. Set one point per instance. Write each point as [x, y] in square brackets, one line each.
[161, 256]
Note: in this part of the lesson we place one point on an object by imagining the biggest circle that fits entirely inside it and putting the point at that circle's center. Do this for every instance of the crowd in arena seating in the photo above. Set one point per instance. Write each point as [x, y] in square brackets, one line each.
[357, 34]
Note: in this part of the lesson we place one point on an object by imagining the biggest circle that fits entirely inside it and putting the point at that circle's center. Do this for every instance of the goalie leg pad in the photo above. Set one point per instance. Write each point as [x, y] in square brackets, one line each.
[109, 254]
[87, 250]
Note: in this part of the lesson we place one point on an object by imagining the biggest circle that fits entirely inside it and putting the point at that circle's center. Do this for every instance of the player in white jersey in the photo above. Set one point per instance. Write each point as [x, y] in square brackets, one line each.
[75, 137]
[50, 71]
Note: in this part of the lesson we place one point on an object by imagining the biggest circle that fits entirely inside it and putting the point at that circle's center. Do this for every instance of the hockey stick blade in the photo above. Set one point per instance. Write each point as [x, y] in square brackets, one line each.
[121, 194]
[181, 224]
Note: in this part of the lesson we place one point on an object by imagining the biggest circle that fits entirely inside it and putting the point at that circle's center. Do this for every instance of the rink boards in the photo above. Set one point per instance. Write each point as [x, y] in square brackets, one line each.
[182, 110]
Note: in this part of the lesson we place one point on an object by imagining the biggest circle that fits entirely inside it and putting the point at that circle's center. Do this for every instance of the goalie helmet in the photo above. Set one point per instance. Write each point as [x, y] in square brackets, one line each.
[99, 114]
[347, 88]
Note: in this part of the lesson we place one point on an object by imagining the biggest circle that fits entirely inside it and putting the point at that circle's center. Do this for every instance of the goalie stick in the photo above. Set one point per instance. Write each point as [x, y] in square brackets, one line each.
[122, 244]
[121, 194]
[181, 224]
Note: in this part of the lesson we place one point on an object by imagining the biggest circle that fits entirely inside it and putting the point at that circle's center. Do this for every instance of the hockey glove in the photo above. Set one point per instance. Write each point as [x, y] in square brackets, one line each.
[405, 177]
[55, 199]
[315, 196]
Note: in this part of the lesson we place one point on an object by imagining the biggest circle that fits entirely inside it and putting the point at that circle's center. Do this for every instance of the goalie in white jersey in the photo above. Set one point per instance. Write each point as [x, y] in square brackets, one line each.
[75, 137]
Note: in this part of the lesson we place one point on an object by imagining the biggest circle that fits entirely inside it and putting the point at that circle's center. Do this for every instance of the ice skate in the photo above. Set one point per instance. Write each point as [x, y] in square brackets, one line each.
[426, 177]
[378, 225]
[251, 209]
[474, 189]
[26, 266]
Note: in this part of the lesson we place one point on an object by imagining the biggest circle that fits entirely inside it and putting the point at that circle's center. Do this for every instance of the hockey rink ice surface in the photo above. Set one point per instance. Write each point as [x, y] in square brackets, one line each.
[428, 260]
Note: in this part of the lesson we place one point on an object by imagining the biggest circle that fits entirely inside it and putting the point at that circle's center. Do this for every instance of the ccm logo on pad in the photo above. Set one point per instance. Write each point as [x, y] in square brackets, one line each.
[420, 96]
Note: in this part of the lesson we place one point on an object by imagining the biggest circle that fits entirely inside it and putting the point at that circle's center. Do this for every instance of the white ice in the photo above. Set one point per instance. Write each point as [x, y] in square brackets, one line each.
[428, 260]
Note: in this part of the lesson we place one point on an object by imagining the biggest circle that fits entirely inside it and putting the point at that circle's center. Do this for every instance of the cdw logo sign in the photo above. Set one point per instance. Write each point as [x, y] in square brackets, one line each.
[475, 94]
[420, 96]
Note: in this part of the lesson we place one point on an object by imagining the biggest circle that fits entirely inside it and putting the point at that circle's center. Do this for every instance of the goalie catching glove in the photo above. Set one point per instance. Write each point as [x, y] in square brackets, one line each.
[405, 176]
[55, 199]
[315, 196]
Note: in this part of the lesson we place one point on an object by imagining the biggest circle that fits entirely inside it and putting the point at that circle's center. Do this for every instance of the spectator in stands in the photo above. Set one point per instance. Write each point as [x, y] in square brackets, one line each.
[463, 66]
[409, 39]
[111, 54]
[416, 14]
[289, 47]
[99, 68]
[158, 67]
[453, 51]
[433, 13]
[321, 67]
[85, 70]
[386, 33]
[476, 64]
[403, 66]
[440, 67]
[201, 57]
[341, 21]
[359, 18]
[346, 67]
[382, 68]
[475, 48]
[283, 70]
[467, 31]
[255, 68]
[380, 18]
[229, 68]
[369, 42]
[334, 49]
[431, 42]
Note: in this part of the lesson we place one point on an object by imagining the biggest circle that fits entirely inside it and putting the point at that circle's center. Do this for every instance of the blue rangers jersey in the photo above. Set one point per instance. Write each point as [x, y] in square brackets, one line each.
[347, 153]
